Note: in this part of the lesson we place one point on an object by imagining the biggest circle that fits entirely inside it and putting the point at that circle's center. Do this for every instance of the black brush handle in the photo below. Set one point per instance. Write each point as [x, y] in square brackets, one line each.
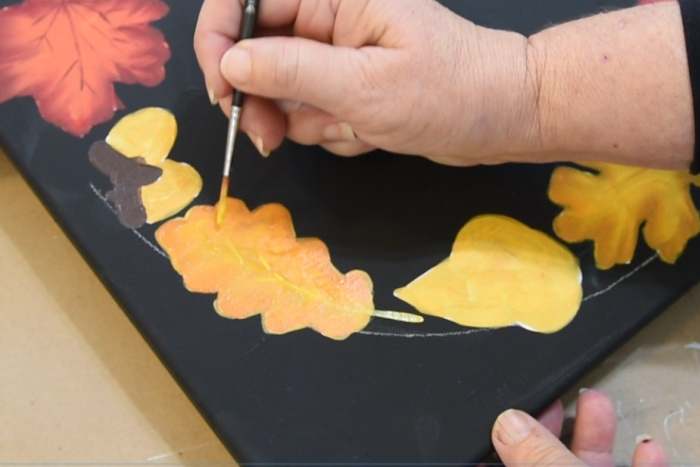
[248, 23]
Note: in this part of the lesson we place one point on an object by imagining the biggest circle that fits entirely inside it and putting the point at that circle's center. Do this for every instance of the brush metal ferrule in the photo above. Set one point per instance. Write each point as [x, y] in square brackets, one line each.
[233, 124]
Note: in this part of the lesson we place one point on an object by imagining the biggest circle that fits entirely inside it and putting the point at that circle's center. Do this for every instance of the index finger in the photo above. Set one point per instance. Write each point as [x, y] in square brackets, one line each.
[216, 27]
[217, 30]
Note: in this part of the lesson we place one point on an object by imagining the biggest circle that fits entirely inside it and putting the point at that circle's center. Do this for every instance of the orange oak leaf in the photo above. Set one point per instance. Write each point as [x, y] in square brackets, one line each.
[609, 203]
[256, 265]
[68, 53]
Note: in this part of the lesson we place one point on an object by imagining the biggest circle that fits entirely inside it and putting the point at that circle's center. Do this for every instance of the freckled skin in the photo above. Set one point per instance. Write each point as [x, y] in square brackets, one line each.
[617, 99]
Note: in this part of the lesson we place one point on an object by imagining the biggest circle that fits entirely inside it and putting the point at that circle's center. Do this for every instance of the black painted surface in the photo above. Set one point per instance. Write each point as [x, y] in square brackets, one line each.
[396, 393]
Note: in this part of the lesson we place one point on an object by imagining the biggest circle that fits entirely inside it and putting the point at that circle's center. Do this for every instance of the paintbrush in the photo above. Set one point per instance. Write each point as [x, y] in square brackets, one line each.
[249, 20]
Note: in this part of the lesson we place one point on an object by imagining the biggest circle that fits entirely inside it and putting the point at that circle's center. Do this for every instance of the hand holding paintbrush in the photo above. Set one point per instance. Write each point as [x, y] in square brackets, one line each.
[412, 77]
[248, 23]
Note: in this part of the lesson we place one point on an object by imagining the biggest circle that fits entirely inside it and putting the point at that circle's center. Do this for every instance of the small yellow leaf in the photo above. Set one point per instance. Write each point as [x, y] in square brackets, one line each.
[176, 188]
[148, 133]
[608, 206]
[501, 273]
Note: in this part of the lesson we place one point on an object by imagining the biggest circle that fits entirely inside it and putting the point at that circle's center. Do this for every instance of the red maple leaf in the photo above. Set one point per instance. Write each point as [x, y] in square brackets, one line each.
[68, 54]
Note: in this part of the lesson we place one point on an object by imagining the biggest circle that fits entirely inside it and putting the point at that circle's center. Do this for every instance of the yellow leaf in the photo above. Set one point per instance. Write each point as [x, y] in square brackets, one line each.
[176, 188]
[501, 273]
[148, 133]
[256, 265]
[608, 206]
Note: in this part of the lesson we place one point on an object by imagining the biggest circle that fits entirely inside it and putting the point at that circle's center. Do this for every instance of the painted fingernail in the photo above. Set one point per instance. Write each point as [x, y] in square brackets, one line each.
[258, 142]
[338, 132]
[235, 65]
[643, 439]
[512, 427]
[212, 98]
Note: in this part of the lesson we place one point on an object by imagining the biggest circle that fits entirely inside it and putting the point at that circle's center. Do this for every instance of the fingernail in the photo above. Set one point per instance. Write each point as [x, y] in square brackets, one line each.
[235, 65]
[643, 439]
[212, 98]
[512, 428]
[582, 390]
[286, 105]
[258, 142]
[338, 132]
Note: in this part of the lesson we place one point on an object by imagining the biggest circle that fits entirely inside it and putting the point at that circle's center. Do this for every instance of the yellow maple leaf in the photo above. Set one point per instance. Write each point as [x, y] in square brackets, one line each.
[149, 133]
[256, 265]
[501, 273]
[609, 204]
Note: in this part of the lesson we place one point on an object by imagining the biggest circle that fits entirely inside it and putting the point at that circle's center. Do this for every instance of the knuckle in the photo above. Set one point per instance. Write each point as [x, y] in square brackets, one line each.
[378, 94]
[285, 72]
[365, 83]
[549, 454]
[363, 88]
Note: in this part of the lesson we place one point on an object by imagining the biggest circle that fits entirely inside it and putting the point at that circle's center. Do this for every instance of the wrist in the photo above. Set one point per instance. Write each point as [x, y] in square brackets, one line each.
[510, 119]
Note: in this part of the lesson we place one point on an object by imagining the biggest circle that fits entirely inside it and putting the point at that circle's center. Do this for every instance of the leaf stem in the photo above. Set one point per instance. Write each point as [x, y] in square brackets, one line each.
[398, 316]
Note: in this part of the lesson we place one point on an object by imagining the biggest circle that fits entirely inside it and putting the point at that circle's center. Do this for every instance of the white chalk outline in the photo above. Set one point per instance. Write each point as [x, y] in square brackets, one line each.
[623, 278]
[150, 244]
[407, 335]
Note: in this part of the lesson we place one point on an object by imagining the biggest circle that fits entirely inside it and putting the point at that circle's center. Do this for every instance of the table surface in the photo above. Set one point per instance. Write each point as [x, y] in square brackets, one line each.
[80, 385]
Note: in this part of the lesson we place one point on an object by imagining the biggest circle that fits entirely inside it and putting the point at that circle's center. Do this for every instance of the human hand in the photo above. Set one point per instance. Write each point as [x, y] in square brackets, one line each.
[521, 440]
[352, 75]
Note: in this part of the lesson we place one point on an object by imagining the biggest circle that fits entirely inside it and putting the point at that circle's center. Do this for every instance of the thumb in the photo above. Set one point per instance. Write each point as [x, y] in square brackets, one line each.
[294, 68]
[520, 440]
